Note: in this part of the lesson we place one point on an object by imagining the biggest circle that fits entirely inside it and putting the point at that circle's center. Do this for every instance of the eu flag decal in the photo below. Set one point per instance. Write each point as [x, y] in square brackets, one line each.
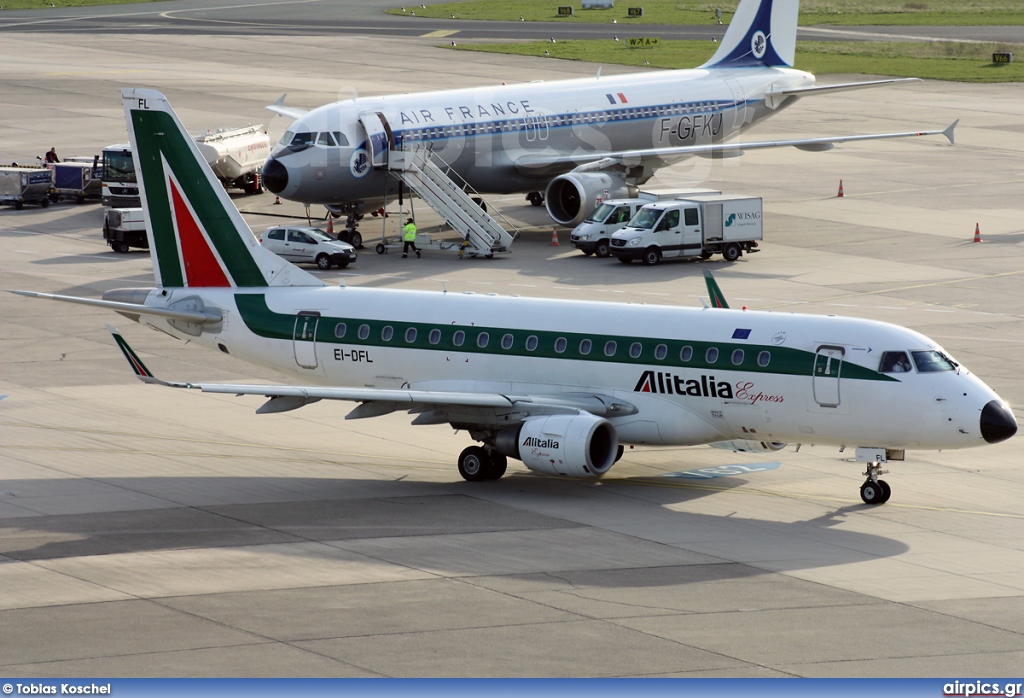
[741, 334]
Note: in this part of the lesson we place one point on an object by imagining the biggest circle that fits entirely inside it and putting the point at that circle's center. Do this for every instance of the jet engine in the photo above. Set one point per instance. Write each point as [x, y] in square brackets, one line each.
[571, 197]
[745, 446]
[572, 445]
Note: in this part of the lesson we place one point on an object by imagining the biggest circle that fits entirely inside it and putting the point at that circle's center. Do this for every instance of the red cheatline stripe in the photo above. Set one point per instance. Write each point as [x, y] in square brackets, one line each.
[623, 98]
[201, 266]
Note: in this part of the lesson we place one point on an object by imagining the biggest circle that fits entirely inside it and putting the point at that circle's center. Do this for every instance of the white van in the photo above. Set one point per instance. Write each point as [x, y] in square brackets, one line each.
[305, 244]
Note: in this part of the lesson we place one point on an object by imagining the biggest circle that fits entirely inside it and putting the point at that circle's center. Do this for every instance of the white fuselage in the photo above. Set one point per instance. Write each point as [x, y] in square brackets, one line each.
[504, 138]
[777, 377]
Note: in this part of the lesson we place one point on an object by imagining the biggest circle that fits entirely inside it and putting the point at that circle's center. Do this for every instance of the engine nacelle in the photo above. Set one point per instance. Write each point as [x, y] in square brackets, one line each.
[571, 197]
[572, 445]
[745, 446]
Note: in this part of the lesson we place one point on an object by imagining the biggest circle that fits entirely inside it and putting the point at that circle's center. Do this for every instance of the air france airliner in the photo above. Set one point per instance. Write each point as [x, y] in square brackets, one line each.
[559, 385]
[566, 142]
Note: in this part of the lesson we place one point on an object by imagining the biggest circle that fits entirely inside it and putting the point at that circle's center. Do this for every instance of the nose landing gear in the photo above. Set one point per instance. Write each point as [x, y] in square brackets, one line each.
[875, 491]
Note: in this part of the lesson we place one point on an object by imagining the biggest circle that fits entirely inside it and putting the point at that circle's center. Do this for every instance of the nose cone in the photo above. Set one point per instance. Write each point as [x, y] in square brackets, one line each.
[997, 422]
[275, 176]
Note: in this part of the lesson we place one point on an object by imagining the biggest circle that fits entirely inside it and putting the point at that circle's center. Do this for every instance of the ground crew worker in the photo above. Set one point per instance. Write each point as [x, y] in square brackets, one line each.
[409, 238]
[51, 156]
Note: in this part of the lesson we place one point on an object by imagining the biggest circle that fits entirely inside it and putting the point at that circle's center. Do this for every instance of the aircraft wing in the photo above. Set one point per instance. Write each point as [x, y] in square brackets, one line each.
[278, 107]
[380, 401]
[598, 160]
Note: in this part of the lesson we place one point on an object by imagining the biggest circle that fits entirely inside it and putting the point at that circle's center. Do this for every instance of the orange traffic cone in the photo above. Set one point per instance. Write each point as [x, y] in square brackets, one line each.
[977, 232]
[554, 237]
[840, 194]
[330, 226]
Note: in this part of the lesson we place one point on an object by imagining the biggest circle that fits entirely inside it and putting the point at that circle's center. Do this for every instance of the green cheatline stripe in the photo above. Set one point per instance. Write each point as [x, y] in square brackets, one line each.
[784, 361]
[156, 132]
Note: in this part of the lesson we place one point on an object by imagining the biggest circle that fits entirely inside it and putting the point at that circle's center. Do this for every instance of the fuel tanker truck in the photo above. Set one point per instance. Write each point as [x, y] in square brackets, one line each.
[235, 154]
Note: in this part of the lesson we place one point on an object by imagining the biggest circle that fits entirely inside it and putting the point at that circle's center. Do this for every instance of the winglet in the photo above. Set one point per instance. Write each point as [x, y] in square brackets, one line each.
[141, 372]
[715, 293]
[278, 107]
[948, 133]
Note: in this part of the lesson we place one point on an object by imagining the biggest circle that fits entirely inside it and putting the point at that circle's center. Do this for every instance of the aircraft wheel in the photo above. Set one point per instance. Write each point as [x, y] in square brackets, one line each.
[872, 492]
[886, 491]
[535, 198]
[497, 466]
[356, 240]
[651, 256]
[380, 249]
[474, 464]
[618, 453]
[481, 203]
[324, 262]
[731, 252]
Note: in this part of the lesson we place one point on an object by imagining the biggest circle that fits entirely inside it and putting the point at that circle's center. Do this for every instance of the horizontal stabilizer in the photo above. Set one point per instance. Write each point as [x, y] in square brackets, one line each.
[278, 107]
[198, 317]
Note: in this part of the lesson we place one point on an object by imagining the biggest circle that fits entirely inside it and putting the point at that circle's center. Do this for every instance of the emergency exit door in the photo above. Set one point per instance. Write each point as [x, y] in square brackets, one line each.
[828, 364]
[378, 137]
[304, 339]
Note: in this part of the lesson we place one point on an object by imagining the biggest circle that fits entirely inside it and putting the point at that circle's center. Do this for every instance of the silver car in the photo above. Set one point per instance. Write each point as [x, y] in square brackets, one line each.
[304, 244]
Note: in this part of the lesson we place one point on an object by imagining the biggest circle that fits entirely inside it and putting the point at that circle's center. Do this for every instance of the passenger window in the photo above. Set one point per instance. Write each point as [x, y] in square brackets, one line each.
[585, 346]
[364, 331]
[712, 355]
[609, 347]
[340, 138]
[932, 361]
[276, 234]
[894, 362]
[325, 138]
[634, 349]
[560, 344]
[690, 216]
[764, 358]
[686, 353]
[410, 335]
[660, 352]
[482, 339]
[387, 333]
[459, 338]
[531, 343]
[339, 330]
[434, 337]
[506, 341]
[737, 357]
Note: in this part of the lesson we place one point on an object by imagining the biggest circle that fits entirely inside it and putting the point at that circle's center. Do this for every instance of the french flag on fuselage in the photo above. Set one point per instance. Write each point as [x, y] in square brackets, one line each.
[617, 98]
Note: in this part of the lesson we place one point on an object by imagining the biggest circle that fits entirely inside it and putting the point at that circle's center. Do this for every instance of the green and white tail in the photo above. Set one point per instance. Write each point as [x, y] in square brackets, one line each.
[197, 237]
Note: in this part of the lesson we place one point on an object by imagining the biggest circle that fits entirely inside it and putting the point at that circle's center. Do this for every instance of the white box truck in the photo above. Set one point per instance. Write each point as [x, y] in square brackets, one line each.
[593, 236]
[698, 226]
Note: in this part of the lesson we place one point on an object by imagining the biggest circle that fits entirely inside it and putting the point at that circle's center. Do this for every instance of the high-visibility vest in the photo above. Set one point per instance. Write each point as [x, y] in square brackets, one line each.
[409, 232]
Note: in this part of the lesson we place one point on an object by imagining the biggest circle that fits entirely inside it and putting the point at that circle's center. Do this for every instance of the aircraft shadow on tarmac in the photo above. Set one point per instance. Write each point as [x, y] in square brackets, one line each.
[407, 511]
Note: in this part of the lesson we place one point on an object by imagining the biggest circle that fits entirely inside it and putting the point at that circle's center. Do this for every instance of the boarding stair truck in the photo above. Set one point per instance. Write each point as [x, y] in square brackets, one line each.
[236, 156]
[593, 236]
[697, 227]
[124, 228]
[25, 185]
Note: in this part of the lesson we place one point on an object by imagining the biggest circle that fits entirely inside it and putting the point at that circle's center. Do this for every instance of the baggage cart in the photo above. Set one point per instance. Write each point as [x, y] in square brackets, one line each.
[25, 185]
[74, 180]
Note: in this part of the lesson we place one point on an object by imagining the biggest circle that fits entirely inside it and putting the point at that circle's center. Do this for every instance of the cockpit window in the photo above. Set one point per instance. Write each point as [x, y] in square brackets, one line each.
[287, 138]
[325, 138]
[895, 362]
[302, 139]
[932, 361]
[340, 137]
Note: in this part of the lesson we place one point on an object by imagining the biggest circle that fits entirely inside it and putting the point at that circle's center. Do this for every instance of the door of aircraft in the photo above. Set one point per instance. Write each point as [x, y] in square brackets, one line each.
[828, 364]
[378, 137]
[304, 338]
[739, 100]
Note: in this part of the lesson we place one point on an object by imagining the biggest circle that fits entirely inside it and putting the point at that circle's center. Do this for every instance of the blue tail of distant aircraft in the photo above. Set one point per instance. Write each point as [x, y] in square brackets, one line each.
[762, 33]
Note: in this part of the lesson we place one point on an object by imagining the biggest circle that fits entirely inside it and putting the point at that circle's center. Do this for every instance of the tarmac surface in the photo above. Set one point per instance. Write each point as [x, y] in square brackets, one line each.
[151, 532]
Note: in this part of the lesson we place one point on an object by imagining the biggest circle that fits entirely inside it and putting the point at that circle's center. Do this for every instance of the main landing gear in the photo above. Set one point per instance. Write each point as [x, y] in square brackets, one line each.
[875, 491]
[477, 463]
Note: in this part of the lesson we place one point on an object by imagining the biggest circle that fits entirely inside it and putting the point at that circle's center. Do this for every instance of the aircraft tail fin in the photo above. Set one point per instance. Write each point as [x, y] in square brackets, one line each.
[714, 293]
[197, 237]
[762, 33]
